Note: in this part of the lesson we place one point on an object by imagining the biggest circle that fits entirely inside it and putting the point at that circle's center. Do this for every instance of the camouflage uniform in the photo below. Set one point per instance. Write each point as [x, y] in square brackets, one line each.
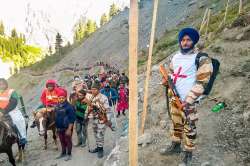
[184, 125]
[98, 125]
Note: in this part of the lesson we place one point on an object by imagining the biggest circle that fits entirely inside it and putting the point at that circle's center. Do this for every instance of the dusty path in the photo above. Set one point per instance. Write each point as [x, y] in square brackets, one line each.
[36, 156]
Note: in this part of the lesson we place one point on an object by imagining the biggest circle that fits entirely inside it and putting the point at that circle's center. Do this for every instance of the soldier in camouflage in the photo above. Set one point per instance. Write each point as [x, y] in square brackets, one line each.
[96, 102]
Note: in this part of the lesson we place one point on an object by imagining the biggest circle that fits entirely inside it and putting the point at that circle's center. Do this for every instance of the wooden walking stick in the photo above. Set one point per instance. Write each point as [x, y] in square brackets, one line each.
[145, 100]
[133, 101]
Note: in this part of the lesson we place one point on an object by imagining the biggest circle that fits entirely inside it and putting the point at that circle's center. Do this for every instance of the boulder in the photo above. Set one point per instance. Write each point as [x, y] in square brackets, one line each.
[145, 139]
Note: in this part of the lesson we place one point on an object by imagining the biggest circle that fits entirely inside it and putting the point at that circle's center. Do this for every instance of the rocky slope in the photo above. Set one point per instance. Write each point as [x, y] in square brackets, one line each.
[223, 137]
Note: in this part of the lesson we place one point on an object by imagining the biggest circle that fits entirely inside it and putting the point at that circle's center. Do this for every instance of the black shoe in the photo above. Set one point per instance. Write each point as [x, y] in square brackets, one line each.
[33, 125]
[171, 149]
[123, 113]
[94, 150]
[118, 115]
[68, 157]
[186, 158]
[62, 155]
[100, 152]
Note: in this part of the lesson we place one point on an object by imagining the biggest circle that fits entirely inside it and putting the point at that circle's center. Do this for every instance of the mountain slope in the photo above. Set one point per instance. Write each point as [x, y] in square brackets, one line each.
[110, 43]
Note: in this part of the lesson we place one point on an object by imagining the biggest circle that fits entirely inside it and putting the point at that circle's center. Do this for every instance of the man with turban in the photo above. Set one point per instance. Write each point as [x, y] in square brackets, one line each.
[190, 82]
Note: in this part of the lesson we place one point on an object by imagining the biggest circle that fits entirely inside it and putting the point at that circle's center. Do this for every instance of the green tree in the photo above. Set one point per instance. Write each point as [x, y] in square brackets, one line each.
[14, 33]
[14, 50]
[104, 19]
[79, 32]
[58, 44]
[22, 37]
[114, 10]
[2, 29]
[91, 27]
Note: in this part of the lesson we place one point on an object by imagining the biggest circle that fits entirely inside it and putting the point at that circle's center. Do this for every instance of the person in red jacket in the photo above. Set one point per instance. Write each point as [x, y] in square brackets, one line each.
[49, 97]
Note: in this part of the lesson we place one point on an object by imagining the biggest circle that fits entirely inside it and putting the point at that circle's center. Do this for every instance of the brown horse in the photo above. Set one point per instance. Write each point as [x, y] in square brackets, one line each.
[45, 120]
[6, 142]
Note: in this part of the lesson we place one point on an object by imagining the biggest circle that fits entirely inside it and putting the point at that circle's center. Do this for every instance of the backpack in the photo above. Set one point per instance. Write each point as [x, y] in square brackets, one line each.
[216, 67]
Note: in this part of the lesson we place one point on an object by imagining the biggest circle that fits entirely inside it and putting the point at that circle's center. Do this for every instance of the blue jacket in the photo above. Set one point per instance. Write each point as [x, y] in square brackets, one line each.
[111, 94]
[64, 115]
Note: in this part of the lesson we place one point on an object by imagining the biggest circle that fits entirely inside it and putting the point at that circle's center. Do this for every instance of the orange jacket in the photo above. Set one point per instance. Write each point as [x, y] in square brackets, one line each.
[5, 98]
[50, 98]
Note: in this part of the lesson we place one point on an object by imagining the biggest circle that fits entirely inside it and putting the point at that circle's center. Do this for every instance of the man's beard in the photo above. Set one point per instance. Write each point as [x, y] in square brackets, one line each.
[186, 50]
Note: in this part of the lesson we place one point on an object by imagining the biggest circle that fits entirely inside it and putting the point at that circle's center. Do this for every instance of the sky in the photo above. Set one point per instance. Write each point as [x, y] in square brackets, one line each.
[62, 15]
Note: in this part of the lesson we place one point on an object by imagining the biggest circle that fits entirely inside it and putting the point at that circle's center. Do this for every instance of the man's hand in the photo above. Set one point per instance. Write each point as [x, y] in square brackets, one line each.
[186, 108]
[85, 100]
[69, 130]
[164, 81]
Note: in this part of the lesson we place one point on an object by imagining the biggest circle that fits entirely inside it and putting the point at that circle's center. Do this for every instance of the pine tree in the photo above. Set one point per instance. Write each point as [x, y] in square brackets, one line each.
[114, 10]
[14, 50]
[14, 33]
[50, 50]
[58, 44]
[104, 19]
[91, 27]
[79, 33]
[23, 38]
[2, 29]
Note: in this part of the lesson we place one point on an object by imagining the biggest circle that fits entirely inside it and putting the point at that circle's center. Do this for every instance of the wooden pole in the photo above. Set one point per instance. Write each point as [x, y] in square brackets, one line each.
[225, 17]
[208, 18]
[133, 101]
[145, 100]
[203, 21]
[241, 7]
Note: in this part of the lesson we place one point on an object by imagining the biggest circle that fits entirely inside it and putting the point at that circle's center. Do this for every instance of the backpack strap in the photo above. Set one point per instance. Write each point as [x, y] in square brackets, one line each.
[197, 59]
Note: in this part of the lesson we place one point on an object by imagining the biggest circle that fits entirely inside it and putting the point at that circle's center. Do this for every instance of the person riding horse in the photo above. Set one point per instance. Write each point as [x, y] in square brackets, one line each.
[44, 116]
[49, 98]
[12, 122]
[10, 112]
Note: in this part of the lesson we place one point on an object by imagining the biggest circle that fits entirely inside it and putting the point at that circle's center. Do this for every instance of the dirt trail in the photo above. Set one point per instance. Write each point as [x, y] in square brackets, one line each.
[37, 156]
